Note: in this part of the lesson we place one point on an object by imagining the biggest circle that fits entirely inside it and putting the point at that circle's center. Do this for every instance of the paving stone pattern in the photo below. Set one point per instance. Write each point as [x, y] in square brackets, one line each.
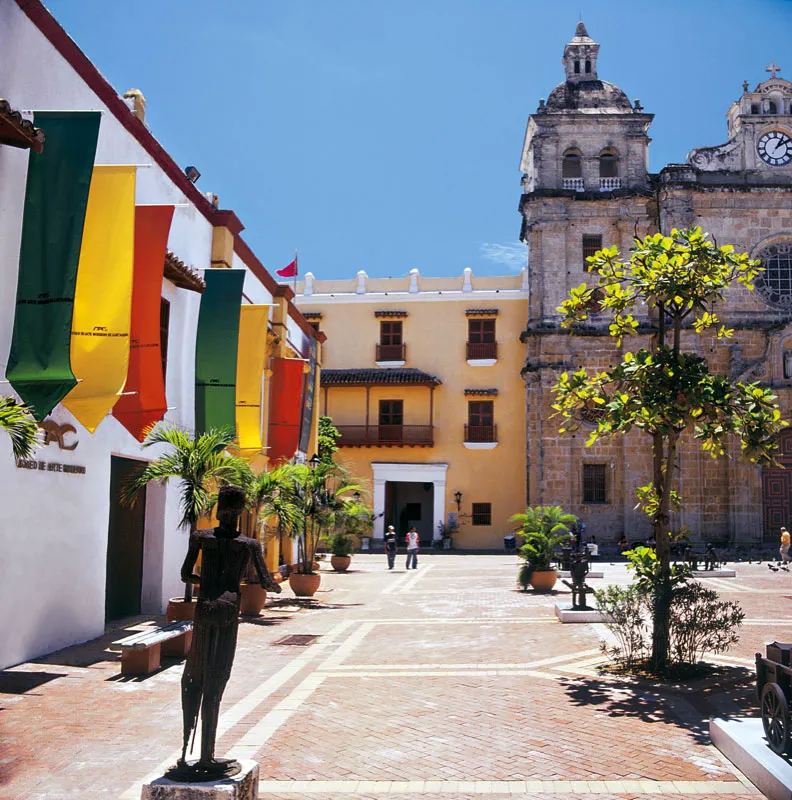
[441, 682]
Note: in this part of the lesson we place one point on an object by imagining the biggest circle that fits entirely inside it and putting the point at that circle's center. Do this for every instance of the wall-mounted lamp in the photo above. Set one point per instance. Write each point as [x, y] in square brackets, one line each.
[356, 498]
[458, 498]
[315, 461]
[192, 174]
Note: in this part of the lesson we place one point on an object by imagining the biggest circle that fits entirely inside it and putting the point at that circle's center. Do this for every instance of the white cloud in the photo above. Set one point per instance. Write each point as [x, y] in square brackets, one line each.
[513, 255]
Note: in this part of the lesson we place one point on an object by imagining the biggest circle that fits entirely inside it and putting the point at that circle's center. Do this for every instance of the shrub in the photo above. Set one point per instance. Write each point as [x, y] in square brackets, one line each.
[341, 545]
[700, 623]
[629, 612]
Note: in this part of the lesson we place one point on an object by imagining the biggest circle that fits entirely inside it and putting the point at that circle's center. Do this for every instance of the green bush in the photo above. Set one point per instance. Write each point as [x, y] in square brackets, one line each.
[543, 528]
[341, 545]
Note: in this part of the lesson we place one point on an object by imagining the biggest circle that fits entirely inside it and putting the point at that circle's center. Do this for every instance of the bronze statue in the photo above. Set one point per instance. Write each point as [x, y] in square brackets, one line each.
[578, 569]
[225, 556]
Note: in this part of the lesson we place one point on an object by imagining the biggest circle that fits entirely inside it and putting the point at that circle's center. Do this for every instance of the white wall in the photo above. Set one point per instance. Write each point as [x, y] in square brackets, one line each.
[53, 534]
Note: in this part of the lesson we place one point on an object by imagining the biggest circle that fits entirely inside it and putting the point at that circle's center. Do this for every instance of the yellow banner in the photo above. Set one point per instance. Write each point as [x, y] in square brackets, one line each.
[251, 362]
[103, 297]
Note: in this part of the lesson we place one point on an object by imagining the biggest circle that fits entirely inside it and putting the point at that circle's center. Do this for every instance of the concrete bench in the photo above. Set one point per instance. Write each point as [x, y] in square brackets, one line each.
[141, 652]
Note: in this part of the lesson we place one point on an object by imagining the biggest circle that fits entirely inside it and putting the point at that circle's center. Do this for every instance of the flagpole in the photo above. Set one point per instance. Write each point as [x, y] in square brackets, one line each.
[296, 270]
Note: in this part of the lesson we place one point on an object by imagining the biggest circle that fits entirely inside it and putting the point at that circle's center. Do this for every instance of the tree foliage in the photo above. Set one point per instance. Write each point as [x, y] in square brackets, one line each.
[20, 425]
[328, 438]
[543, 528]
[659, 389]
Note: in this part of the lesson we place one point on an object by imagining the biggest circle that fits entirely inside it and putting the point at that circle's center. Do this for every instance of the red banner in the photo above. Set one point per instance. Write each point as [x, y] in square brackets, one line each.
[285, 408]
[143, 402]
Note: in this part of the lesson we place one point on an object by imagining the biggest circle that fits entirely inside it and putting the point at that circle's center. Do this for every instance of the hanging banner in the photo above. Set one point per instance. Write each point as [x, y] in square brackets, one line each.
[143, 402]
[288, 377]
[251, 361]
[103, 297]
[56, 197]
[308, 399]
[216, 349]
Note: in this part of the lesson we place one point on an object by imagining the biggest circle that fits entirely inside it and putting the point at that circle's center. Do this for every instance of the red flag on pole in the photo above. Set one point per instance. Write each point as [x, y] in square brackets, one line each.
[289, 271]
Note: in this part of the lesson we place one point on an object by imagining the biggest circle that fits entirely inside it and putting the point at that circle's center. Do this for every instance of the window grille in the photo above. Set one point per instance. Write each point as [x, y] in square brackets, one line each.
[775, 283]
[390, 333]
[164, 328]
[595, 483]
[591, 243]
[482, 513]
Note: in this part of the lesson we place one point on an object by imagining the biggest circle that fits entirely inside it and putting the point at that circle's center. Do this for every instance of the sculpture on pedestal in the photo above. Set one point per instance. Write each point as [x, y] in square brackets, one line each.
[578, 569]
[225, 555]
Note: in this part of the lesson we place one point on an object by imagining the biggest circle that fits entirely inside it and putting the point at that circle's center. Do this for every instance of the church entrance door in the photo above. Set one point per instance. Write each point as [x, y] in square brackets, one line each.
[777, 491]
[124, 577]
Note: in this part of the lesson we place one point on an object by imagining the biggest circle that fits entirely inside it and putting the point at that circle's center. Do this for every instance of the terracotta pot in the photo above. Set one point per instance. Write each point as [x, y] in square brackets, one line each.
[340, 563]
[178, 610]
[304, 585]
[544, 580]
[252, 600]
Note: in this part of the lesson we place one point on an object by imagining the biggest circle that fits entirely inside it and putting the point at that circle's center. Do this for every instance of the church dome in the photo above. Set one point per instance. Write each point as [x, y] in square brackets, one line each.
[588, 97]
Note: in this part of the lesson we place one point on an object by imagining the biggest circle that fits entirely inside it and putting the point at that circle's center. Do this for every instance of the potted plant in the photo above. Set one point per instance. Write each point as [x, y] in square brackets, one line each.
[341, 547]
[543, 529]
[202, 465]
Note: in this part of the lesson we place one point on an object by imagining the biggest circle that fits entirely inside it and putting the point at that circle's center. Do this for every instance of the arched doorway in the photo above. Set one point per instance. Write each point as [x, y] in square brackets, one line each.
[777, 490]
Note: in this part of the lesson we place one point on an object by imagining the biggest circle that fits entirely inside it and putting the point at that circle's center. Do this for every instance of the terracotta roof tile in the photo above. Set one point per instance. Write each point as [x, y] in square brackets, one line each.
[178, 273]
[17, 131]
[378, 377]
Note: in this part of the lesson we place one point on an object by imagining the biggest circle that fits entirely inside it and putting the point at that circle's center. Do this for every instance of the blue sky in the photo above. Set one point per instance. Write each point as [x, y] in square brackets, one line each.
[387, 135]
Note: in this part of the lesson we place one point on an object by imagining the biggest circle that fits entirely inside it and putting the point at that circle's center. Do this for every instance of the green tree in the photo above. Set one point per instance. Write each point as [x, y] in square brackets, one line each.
[17, 421]
[201, 464]
[328, 438]
[660, 389]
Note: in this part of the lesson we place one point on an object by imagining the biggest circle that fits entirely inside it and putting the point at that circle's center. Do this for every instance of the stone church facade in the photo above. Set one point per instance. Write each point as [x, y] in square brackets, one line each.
[586, 185]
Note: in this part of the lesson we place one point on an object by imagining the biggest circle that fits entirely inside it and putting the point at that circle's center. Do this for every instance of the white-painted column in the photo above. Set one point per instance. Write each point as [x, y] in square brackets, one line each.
[439, 506]
[379, 508]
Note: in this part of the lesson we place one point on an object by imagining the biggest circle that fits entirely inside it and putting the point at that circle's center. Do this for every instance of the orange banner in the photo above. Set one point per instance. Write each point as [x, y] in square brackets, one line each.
[143, 402]
[285, 408]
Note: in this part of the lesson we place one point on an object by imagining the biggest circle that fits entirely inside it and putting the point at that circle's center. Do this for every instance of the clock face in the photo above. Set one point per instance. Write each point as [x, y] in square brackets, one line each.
[775, 148]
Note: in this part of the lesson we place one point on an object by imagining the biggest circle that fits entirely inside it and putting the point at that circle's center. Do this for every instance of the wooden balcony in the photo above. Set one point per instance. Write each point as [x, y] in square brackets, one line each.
[386, 435]
[481, 433]
[482, 350]
[391, 352]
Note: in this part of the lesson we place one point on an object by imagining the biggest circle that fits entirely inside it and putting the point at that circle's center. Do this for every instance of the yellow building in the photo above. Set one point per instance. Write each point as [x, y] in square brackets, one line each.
[422, 378]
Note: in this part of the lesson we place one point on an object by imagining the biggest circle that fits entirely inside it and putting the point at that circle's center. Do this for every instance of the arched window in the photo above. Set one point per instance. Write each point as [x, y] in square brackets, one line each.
[588, 67]
[771, 107]
[571, 167]
[577, 67]
[788, 359]
[609, 164]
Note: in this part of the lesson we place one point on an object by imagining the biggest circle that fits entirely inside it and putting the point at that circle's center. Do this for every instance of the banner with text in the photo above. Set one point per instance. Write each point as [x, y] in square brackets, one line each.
[56, 196]
[103, 297]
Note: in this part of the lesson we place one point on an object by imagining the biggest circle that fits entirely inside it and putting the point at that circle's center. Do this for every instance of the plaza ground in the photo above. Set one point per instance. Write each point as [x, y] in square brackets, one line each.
[441, 682]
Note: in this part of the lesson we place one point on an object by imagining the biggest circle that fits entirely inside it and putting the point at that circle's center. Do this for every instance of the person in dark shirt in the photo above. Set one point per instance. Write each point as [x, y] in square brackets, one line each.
[391, 546]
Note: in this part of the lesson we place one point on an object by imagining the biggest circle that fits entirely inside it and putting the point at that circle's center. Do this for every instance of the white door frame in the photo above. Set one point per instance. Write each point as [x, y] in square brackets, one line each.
[409, 473]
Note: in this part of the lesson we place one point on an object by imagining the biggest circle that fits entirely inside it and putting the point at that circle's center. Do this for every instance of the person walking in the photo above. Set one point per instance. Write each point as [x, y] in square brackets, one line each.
[412, 548]
[391, 546]
[784, 549]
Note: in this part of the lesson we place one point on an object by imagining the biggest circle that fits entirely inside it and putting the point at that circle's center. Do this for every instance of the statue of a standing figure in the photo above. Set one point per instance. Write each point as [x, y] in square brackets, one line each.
[224, 557]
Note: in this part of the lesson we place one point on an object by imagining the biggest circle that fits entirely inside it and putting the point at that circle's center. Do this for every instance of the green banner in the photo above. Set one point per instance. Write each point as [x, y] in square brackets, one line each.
[58, 181]
[216, 350]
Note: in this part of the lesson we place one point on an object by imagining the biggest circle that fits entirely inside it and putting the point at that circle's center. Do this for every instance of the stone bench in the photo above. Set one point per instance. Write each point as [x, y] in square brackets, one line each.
[141, 652]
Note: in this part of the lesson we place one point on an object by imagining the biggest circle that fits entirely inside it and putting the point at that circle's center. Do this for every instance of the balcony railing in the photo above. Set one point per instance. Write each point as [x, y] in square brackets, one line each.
[476, 350]
[481, 433]
[391, 352]
[573, 183]
[609, 184]
[387, 435]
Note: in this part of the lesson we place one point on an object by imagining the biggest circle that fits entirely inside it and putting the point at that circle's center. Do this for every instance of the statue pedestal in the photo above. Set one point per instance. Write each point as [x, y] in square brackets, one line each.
[742, 741]
[243, 786]
[568, 614]
[714, 573]
[567, 574]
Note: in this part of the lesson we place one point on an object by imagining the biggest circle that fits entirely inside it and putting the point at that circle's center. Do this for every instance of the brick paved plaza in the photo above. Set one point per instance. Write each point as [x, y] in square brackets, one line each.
[440, 682]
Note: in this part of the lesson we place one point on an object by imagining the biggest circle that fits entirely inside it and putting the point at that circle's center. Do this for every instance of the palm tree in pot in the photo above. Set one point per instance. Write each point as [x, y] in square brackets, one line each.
[543, 528]
[200, 463]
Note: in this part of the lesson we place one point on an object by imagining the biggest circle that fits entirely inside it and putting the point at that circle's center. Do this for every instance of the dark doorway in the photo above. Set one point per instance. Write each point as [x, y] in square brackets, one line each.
[124, 545]
[410, 503]
[777, 491]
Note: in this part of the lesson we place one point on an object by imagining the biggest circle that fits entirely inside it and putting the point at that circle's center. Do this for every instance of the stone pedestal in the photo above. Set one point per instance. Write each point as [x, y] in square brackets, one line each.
[241, 787]
[714, 573]
[742, 741]
[568, 614]
[567, 574]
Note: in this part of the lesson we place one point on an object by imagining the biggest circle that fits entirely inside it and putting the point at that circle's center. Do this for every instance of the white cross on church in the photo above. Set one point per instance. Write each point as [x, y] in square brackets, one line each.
[772, 69]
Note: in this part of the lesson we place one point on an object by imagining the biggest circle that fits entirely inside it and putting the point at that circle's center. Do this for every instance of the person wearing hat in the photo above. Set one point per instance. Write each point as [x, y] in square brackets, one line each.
[784, 549]
[391, 546]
